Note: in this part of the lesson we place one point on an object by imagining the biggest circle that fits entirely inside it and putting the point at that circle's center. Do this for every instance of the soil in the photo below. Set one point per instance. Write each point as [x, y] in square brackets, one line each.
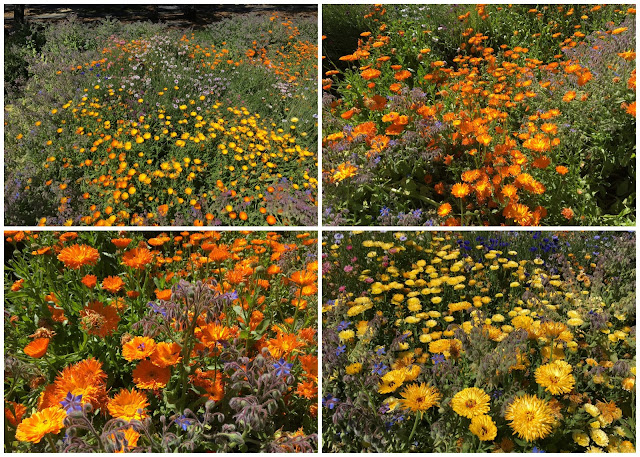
[178, 16]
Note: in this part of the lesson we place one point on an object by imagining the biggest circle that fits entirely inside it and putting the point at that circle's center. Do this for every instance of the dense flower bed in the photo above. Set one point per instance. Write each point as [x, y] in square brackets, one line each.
[203, 128]
[479, 342]
[160, 342]
[479, 115]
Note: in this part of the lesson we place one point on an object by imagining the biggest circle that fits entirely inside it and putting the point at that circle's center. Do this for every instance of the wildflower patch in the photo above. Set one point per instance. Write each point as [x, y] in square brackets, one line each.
[479, 342]
[479, 115]
[154, 126]
[161, 342]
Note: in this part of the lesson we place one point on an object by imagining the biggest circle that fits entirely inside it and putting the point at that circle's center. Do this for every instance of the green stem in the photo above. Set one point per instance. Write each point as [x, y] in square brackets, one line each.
[415, 426]
[51, 443]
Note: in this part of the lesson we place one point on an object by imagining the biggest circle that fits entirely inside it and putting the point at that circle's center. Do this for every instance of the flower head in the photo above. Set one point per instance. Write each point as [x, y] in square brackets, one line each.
[137, 258]
[149, 376]
[420, 397]
[531, 417]
[483, 427]
[139, 347]
[37, 348]
[470, 402]
[128, 405]
[556, 377]
[34, 428]
[78, 255]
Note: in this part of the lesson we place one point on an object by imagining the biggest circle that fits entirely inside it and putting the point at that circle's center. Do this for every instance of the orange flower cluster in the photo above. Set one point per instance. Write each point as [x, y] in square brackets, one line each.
[494, 136]
[268, 279]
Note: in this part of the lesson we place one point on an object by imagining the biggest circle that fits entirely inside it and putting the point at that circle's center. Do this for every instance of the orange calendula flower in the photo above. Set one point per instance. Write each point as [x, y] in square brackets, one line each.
[629, 108]
[163, 294]
[149, 376]
[211, 381]
[212, 333]
[567, 213]
[137, 258]
[166, 354]
[16, 286]
[90, 281]
[284, 345]
[139, 347]
[84, 378]
[460, 190]
[78, 255]
[561, 169]
[112, 284]
[306, 280]
[128, 405]
[34, 428]
[402, 75]
[444, 209]
[344, 171]
[13, 412]
[37, 348]
[219, 253]
[370, 73]
[131, 437]
[307, 389]
[121, 242]
[99, 319]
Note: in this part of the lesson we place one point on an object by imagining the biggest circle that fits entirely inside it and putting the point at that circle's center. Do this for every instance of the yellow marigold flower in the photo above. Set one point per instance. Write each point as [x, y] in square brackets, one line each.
[34, 428]
[581, 439]
[354, 368]
[556, 377]
[470, 402]
[391, 381]
[439, 346]
[530, 417]
[628, 384]
[483, 427]
[419, 397]
[346, 335]
[588, 407]
[413, 304]
[599, 437]
[575, 322]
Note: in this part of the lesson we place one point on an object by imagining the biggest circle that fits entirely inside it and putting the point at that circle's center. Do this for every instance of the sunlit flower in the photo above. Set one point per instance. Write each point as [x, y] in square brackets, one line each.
[470, 402]
[555, 377]
[483, 427]
[530, 417]
[78, 255]
[34, 428]
[419, 397]
[128, 405]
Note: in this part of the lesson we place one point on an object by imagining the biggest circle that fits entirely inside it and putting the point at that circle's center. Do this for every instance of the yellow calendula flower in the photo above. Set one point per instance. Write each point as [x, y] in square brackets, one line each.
[470, 402]
[420, 397]
[391, 381]
[530, 417]
[354, 368]
[483, 427]
[581, 439]
[599, 437]
[556, 377]
[346, 335]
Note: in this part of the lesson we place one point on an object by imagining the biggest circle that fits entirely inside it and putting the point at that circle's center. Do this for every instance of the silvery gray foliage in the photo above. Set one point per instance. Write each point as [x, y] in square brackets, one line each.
[187, 300]
[82, 436]
[262, 389]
